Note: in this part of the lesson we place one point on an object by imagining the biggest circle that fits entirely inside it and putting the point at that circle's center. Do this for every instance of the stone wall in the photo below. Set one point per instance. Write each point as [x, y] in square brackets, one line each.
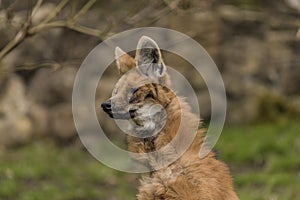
[253, 45]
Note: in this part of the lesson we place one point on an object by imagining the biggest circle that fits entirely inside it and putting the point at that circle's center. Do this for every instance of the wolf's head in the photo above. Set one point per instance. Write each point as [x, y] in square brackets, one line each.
[140, 93]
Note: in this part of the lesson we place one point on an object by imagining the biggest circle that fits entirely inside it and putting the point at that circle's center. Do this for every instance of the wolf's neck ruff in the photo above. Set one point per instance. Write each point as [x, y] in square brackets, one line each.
[172, 135]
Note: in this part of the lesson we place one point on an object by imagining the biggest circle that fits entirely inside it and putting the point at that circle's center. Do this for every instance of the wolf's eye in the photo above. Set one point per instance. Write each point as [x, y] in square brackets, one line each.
[149, 95]
[133, 100]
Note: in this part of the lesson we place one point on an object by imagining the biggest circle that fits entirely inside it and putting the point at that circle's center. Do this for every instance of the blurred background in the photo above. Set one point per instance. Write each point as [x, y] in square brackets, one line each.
[254, 43]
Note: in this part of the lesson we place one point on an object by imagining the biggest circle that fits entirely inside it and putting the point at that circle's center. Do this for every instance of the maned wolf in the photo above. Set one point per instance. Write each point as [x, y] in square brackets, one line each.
[142, 96]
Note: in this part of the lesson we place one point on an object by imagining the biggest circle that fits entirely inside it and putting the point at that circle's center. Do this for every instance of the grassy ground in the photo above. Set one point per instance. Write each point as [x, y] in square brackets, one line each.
[42, 170]
[265, 161]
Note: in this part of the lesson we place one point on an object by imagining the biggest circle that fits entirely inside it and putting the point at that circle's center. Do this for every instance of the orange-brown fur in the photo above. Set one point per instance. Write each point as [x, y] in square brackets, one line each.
[189, 177]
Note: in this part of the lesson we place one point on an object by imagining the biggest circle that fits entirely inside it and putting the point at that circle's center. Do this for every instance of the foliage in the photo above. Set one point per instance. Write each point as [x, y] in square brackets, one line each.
[264, 160]
[42, 170]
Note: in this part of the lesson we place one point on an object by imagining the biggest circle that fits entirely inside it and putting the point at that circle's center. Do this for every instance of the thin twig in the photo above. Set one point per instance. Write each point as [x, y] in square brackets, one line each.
[55, 11]
[73, 8]
[85, 30]
[70, 25]
[84, 9]
[36, 7]
[20, 36]
[38, 28]
[51, 15]
[138, 18]
[28, 29]
[49, 64]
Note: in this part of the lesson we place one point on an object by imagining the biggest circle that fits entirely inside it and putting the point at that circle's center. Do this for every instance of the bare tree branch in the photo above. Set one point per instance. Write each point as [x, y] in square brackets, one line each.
[20, 36]
[84, 9]
[49, 64]
[55, 11]
[27, 28]
[36, 7]
[139, 18]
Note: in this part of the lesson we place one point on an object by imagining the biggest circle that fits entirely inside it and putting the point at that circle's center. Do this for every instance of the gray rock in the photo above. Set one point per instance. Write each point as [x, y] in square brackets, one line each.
[39, 116]
[15, 125]
[61, 124]
[51, 111]
[49, 87]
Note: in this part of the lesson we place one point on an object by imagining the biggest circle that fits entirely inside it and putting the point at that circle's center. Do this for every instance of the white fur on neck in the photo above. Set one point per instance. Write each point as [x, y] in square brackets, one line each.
[151, 118]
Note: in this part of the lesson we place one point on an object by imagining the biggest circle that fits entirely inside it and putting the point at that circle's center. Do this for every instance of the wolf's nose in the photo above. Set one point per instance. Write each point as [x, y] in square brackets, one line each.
[106, 105]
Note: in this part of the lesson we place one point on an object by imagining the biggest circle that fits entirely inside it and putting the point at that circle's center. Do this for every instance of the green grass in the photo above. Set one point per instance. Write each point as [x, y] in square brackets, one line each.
[264, 159]
[42, 170]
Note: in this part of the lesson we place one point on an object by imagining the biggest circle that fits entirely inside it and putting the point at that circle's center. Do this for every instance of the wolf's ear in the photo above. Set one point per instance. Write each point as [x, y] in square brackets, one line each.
[124, 61]
[148, 58]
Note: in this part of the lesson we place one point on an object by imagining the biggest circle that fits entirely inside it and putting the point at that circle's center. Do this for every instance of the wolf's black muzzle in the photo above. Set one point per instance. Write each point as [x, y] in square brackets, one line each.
[106, 106]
